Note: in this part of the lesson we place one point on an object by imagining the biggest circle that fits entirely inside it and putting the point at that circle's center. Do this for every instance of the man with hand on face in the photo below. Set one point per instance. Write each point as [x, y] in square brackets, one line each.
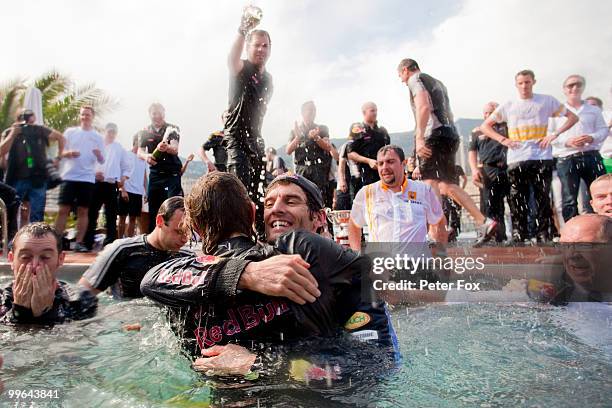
[36, 296]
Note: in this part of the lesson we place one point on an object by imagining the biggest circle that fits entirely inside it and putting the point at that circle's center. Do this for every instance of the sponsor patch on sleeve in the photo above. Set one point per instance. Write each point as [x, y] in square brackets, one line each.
[357, 320]
[208, 259]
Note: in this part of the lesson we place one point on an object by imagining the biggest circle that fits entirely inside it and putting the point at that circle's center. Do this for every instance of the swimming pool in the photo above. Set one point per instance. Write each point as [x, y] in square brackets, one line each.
[455, 355]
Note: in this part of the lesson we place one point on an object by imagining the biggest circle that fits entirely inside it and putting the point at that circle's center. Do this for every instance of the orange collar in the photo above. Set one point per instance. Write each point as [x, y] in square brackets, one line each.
[404, 185]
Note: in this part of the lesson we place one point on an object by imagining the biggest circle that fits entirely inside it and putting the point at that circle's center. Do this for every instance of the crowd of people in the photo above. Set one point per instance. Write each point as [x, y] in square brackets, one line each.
[267, 270]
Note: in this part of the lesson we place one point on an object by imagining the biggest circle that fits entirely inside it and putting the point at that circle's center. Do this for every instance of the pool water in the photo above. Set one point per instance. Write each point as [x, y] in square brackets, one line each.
[459, 355]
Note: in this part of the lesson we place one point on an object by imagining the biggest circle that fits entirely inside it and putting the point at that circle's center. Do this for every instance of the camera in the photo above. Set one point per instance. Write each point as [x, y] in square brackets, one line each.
[24, 117]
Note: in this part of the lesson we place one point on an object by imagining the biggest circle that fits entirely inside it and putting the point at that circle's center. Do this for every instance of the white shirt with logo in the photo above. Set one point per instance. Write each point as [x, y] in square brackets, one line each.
[397, 217]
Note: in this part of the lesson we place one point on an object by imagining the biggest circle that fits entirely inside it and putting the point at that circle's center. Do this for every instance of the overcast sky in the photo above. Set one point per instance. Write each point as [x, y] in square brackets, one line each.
[337, 53]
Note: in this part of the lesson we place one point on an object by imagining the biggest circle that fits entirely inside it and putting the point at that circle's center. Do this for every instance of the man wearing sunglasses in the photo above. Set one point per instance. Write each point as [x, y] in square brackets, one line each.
[577, 150]
[122, 264]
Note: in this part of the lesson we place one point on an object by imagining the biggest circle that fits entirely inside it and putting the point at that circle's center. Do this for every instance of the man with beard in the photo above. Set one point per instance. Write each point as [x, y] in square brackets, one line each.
[249, 93]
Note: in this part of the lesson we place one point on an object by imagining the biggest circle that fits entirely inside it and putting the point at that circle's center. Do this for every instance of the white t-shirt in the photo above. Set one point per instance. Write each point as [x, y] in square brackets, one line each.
[527, 121]
[82, 168]
[135, 184]
[397, 217]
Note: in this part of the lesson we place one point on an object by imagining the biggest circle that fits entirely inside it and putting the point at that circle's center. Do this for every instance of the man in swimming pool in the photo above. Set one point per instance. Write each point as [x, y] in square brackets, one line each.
[35, 296]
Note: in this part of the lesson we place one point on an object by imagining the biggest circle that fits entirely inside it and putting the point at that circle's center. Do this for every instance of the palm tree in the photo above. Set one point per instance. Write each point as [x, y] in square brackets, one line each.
[61, 100]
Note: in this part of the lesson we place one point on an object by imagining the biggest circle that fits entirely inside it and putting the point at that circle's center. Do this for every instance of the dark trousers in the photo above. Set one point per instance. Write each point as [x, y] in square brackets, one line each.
[9, 195]
[586, 166]
[250, 170]
[105, 194]
[495, 189]
[452, 212]
[161, 188]
[536, 176]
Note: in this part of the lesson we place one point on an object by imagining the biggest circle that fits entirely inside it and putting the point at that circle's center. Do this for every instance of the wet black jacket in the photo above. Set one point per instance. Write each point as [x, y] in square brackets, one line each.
[209, 310]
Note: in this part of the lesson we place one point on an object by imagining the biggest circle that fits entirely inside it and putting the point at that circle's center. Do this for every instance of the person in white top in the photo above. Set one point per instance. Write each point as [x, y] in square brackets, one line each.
[396, 209]
[83, 148]
[606, 147]
[577, 150]
[131, 193]
[529, 154]
[109, 177]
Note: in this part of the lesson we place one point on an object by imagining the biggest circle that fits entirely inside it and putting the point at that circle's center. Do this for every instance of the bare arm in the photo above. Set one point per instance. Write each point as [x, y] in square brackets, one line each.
[487, 129]
[476, 176]
[61, 141]
[85, 283]
[356, 157]
[423, 111]
[438, 231]
[333, 151]
[354, 236]
[234, 63]
[7, 142]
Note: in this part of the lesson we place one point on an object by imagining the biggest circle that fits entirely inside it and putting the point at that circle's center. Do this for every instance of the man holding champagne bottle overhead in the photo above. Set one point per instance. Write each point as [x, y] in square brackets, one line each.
[249, 93]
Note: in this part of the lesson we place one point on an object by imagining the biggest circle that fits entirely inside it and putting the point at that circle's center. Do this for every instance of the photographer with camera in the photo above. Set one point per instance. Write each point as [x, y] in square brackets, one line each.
[28, 169]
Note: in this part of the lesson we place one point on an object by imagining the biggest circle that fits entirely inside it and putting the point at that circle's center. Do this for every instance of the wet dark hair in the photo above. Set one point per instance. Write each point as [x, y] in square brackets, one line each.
[218, 206]
[525, 72]
[409, 63]
[39, 230]
[170, 206]
[261, 33]
[392, 148]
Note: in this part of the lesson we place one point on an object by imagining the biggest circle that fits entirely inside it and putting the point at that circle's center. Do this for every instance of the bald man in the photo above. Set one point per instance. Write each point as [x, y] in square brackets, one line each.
[587, 257]
[367, 139]
[601, 195]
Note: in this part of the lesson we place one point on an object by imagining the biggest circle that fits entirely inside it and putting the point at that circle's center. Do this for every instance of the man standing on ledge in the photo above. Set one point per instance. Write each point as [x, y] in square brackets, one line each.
[437, 141]
[249, 93]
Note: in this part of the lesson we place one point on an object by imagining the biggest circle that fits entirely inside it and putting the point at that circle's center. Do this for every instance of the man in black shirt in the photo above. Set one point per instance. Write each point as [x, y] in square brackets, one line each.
[249, 94]
[26, 144]
[367, 139]
[309, 143]
[35, 296]
[493, 177]
[122, 264]
[215, 143]
[159, 144]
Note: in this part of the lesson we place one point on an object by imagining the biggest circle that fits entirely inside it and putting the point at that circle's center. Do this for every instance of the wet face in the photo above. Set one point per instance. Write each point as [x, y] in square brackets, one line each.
[601, 193]
[174, 235]
[524, 84]
[309, 112]
[36, 251]
[583, 251]
[573, 88]
[390, 168]
[158, 117]
[258, 49]
[86, 117]
[370, 113]
[286, 209]
[403, 74]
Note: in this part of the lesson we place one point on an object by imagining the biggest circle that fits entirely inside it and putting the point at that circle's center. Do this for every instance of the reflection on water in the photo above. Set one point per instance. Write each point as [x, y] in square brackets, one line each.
[454, 355]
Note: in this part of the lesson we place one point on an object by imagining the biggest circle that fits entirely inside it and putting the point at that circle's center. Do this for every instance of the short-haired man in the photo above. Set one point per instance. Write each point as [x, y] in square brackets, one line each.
[294, 210]
[601, 195]
[275, 165]
[606, 148]
[367, 139]
[26, 145]
[35, 295]
[84, 148]
[250, 91]
[396, 209]
[309, 143]
[215, 143]
[110, 176]
[577, 150]
[159, 146]
[529, 154]
[122, 265]
[493, 177]
[437, 141]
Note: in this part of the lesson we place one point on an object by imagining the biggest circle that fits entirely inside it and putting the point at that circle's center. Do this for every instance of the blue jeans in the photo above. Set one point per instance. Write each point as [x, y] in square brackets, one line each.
[36, 196]
[586, 166]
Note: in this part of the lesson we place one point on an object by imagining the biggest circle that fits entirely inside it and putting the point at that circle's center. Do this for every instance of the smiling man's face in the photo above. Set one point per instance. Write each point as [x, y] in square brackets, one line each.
[286, 209]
